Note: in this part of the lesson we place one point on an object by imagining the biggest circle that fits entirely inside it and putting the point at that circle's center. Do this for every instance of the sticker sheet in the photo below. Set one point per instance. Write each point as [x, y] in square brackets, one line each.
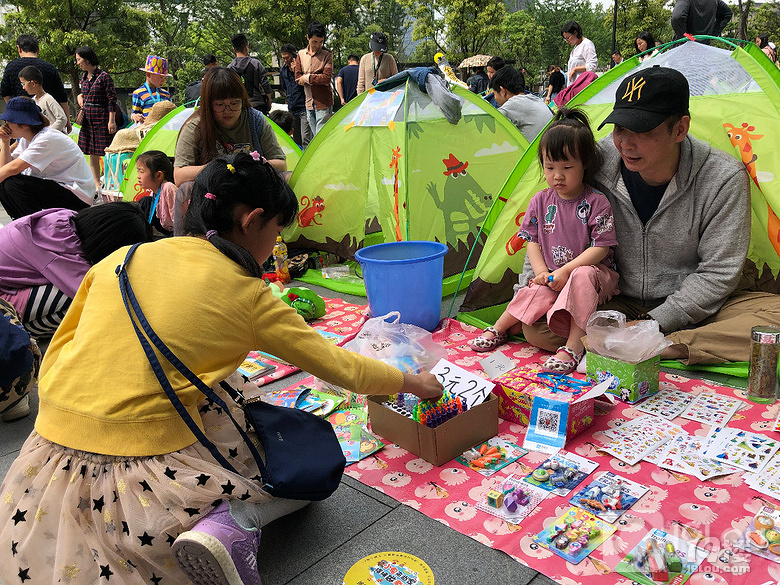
[575, 534]
[768, 481]
[742, 449]
[514, 483]
[609, 496]
[684, 454]
[560, 481]
[490, 456]
[668, 403]
[639, 437]
[712, 409]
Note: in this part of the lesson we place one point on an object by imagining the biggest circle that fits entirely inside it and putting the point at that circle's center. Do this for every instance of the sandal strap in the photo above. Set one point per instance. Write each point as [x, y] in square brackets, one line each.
[570, 352]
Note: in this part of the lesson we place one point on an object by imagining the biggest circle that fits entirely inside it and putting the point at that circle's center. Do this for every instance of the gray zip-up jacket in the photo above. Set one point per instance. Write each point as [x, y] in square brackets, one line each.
[690, 253]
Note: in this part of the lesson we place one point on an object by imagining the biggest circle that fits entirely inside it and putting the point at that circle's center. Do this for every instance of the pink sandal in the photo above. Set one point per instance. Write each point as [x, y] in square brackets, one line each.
[559, 366]
[483, 343]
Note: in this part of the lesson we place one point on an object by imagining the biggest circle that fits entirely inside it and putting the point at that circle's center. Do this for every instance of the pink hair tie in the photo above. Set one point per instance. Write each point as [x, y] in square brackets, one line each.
[210, 196]
[210, 234]
[257, 157]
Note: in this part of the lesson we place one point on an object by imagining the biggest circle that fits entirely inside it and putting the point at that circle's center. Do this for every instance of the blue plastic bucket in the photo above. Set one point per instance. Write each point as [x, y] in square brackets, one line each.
[405, 277]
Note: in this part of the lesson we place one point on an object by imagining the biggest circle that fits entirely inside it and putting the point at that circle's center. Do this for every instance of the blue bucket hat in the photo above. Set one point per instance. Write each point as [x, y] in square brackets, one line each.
[20, 110]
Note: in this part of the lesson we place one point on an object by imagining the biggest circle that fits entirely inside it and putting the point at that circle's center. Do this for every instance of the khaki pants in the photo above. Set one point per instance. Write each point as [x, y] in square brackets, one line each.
[724, 337]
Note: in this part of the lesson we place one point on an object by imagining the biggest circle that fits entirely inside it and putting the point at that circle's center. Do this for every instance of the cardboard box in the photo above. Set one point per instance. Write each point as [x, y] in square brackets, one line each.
[633, 381]
[516, 392]
[443, 443]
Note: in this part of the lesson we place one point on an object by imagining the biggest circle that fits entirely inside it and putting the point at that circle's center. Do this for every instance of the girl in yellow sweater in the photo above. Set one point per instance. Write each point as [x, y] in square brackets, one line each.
[112, 483]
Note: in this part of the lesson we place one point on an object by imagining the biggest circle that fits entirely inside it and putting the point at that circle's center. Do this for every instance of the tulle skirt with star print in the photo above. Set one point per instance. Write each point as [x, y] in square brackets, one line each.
[74, 517]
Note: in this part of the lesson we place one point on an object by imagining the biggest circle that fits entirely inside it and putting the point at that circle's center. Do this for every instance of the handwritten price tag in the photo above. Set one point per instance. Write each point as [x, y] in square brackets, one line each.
[496, 364]
[470, 387]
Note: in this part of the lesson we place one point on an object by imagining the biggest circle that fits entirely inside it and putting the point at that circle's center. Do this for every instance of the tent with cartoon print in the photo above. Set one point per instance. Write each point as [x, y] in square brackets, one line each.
[389, 166]
[734, 105]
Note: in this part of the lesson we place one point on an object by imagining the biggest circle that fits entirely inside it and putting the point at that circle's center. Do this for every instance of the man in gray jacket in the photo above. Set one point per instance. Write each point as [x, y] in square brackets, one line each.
[526, 111]
[682, 219]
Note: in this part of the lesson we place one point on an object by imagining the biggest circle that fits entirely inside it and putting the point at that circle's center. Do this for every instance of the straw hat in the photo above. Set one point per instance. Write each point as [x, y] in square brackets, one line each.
[158, 112]
[125, 140]
[155, 64]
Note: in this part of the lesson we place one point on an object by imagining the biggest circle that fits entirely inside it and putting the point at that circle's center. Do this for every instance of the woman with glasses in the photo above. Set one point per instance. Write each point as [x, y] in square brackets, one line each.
[225, 123]
[583, 53]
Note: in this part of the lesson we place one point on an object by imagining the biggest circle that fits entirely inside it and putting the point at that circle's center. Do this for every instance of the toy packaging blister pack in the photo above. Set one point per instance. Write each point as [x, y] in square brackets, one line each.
[490, 456]
[575, 534]
[512, 500]
[561, 473]
[661, 558]
[608, 496]
[762, 536]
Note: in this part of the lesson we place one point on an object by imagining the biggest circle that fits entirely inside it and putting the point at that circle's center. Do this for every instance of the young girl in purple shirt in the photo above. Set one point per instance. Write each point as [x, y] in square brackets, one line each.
[570, 232]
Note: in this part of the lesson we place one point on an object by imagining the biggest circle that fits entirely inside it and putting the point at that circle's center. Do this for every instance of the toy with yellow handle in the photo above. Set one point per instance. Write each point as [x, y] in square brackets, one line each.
[449, 74]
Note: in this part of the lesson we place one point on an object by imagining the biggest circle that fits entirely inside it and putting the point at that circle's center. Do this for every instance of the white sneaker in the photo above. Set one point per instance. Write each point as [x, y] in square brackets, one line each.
[20, 410]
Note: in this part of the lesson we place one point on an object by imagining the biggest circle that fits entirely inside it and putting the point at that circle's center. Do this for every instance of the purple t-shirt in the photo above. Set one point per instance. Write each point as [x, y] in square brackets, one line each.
[38, 249]
[566, 228]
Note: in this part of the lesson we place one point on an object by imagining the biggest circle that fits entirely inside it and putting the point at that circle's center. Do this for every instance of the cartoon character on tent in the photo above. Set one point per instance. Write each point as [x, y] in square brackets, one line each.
[464, 202]
[742, 138]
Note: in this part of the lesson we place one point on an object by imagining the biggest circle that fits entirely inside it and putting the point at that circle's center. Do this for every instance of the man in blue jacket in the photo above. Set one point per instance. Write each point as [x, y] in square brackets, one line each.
[296, 98]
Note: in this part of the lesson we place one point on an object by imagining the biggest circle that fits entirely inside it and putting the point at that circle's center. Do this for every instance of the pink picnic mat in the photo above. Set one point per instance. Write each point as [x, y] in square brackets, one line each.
[676, 503]
[342, 318]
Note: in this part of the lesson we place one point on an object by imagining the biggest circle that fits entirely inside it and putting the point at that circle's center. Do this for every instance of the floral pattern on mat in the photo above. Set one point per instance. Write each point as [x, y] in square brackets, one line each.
[680, 504]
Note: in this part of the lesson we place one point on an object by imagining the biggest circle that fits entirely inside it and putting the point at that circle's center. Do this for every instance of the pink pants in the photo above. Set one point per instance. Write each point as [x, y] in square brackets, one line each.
[587, 287]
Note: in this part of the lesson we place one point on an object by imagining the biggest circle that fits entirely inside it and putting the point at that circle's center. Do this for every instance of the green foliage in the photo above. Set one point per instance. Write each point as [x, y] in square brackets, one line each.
[522, 36]
[642, 15]
[766, 20]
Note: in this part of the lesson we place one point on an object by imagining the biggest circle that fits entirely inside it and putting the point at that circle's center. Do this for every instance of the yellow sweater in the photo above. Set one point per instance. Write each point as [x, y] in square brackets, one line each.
[97, 390]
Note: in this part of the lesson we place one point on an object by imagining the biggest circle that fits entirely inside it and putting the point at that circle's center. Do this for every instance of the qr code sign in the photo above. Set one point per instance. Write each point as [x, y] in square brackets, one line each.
[548, 422]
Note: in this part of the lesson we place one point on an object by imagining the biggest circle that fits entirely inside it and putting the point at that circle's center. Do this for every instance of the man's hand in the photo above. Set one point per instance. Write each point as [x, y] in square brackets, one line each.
[424, 385]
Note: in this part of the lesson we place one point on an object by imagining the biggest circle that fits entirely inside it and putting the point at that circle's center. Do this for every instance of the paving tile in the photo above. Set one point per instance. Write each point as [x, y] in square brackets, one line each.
[293, 544]
[5, 463]
[405, 529]
[371, 492]
[14, 434]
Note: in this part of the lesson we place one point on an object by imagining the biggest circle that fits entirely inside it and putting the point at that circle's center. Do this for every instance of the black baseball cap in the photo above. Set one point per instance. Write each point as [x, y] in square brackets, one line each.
[647, 98]
[378, 42]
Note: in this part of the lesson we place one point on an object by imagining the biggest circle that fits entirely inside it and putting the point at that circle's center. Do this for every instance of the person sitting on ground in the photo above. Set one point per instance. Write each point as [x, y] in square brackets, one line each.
[32, 82]
[44, 256]
[571, 254]
[683, 274]
[155, 176]
[284, 119]
[20, 362]
[377, 65]
[526, 111]
[617, 58]
[46, 169]
[768, 48]
[129, 453]
[152, 91]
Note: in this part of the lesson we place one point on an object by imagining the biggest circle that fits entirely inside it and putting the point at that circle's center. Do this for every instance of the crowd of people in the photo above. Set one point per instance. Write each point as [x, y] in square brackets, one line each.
[226, 199]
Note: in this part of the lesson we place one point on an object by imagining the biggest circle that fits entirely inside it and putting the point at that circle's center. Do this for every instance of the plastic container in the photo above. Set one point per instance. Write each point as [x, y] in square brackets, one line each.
[764, 352]
[280, 261]
[405, 277]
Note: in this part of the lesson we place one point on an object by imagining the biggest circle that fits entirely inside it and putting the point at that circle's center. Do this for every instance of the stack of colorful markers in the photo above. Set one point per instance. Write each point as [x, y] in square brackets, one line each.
[432, 414]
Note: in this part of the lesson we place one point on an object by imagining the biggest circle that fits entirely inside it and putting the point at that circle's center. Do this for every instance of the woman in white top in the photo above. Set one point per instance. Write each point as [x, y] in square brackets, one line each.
[644, 42]
[583, 54]
[45, 170]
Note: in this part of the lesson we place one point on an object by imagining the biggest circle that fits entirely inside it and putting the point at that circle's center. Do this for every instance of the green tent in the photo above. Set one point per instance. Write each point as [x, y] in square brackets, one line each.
[163, 137]
[389, 166]
[735, 97]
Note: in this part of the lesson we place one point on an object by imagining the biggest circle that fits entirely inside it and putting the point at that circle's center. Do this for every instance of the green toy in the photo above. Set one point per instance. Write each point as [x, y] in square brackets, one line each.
[309, 304]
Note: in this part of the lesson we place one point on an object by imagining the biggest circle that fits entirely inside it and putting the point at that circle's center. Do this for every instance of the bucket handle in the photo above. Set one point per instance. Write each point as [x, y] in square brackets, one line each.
[395, 314]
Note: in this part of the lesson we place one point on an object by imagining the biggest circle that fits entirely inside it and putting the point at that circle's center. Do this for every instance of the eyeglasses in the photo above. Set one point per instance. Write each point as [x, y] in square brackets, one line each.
[232, 105]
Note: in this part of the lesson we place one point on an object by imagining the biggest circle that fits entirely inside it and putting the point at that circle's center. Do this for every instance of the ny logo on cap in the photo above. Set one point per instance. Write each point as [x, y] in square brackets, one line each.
[634, 86]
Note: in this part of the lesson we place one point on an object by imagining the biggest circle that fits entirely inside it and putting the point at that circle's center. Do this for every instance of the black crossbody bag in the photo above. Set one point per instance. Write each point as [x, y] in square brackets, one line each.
[303, 457]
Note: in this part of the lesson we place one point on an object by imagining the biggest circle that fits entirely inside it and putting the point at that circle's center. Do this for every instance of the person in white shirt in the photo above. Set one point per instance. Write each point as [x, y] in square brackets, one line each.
[47, 169]
[583, 54]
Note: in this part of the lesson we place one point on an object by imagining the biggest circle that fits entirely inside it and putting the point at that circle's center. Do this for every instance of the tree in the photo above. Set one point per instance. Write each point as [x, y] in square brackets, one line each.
[117, 32]
[642, 15]
[459, 28]
[521, 41]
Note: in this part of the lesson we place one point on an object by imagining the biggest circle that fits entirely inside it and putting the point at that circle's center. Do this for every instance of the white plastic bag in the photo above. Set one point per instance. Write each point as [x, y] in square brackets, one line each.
[407, 347]
[609, 336]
